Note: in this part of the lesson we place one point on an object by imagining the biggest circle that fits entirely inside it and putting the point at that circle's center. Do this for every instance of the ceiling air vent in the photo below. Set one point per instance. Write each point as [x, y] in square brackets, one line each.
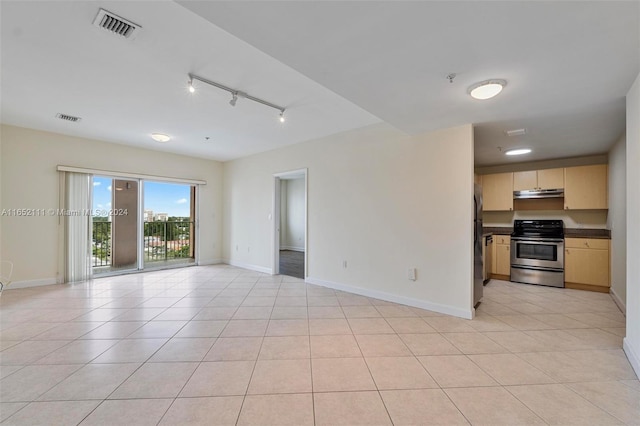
[66, 117]
[115, 24]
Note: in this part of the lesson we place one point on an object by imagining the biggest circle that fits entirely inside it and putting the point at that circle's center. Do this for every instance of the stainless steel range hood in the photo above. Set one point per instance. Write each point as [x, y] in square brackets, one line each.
[538, 193]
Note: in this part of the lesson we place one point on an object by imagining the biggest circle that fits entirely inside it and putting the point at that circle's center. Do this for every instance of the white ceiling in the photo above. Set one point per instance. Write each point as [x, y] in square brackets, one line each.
[54, 60]
[334, 65]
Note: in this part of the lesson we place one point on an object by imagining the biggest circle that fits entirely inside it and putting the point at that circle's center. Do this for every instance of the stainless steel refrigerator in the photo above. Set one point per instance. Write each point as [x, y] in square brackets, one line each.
[478, 265]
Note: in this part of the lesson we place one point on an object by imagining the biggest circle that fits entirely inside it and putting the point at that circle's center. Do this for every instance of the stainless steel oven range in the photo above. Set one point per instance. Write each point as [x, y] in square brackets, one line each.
[537, 252]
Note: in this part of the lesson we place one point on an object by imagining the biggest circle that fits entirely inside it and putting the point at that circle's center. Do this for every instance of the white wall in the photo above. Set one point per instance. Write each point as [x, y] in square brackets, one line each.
[30, 180]
[617, 221]
[378, 199]
[293, 212]
[632, 341]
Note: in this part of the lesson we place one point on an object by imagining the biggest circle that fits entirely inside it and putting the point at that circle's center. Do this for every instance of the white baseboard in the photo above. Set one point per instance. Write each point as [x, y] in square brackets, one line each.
[32, 283]
[210, 262]
[618, 301]
[409, 301]
[301, 249]
[632, 356]
[248, 266]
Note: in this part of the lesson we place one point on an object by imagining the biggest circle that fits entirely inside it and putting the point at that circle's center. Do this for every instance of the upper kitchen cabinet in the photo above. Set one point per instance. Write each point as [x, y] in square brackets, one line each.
[538, 179]
[497, 192]
[585, 187]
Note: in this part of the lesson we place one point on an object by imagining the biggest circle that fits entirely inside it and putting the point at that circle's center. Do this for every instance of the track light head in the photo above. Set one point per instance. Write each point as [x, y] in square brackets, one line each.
[282, 120]
[191, 88]
[234, 99]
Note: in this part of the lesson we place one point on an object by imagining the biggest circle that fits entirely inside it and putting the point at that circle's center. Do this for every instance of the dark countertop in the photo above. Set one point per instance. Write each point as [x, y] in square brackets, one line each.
[587, 233]
[568, 232]
[497, 230]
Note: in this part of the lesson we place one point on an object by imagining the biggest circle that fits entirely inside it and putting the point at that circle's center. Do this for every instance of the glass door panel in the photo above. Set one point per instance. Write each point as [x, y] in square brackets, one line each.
[115, 239]
[169, 224]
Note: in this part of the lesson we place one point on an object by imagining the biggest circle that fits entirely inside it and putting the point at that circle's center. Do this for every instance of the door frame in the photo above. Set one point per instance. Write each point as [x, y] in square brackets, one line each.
[275, 209]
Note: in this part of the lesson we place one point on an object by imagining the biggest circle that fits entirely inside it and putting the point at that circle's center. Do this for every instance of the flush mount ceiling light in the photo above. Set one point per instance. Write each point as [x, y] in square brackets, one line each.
[235, 94]
[519, 151]
[486, 89]
[160, 137]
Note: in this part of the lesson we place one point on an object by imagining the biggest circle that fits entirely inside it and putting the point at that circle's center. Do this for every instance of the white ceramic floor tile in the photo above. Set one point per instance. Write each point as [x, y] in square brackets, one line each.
[557, 404]
[156, 380]
[138, 412]
[492, 406]
[93, 381]
[220, 410]
[224, 378]
[421, 407]
[30, 382]
[53, 413]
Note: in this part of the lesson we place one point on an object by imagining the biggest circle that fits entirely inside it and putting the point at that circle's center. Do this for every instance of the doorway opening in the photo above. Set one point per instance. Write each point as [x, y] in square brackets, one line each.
[290, 224]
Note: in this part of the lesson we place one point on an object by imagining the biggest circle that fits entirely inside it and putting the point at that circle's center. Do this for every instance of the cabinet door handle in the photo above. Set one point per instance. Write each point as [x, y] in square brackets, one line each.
[567, 251]
[566, 207]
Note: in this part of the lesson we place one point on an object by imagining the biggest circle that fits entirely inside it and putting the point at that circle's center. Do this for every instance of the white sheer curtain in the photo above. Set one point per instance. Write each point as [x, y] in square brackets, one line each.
[78, 226]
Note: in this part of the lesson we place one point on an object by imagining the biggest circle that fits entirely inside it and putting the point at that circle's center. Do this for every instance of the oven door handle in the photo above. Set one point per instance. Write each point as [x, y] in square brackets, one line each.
[537, 268]
[547, 242]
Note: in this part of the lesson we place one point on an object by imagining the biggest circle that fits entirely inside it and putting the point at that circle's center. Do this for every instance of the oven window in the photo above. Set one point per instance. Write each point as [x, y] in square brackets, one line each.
[537, 251]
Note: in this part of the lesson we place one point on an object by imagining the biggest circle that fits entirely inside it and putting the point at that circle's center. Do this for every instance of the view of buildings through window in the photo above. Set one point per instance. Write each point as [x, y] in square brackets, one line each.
[167, 219]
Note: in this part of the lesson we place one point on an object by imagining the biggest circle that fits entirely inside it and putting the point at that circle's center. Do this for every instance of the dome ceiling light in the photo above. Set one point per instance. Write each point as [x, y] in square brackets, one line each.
[160, 137]
[486, 89]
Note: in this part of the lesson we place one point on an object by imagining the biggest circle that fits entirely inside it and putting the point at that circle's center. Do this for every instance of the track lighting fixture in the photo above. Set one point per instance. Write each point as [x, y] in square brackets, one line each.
[235, 94]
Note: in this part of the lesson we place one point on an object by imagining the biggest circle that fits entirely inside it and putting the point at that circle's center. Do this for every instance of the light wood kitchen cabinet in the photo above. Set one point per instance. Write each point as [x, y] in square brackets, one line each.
[501, 261]
[497, 192]
[586, 262]
[538, 179]
[585, 187]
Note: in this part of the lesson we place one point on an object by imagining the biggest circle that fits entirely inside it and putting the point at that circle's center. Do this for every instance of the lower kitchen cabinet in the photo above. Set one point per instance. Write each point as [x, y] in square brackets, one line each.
[586, 263]
[501, 264]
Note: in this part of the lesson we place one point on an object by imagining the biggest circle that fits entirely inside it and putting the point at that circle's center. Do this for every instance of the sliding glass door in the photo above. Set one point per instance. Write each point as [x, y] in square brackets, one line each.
[139, 224]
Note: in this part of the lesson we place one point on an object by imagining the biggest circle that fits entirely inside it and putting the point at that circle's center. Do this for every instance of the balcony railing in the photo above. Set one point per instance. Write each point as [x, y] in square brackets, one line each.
[162, 241]
[101, 249]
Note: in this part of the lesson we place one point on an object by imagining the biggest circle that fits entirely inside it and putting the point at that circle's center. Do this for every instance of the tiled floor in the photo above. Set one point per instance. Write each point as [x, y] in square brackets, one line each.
[221, 345]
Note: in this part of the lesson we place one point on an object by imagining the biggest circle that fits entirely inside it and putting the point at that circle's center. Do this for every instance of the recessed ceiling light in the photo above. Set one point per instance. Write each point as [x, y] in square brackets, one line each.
[486, 89]
[160, 137]
[519, 151]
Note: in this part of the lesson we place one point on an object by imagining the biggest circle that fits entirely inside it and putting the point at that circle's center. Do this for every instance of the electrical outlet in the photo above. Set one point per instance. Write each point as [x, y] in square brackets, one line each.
[344, 264]
[236, 247]
[411, 274]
